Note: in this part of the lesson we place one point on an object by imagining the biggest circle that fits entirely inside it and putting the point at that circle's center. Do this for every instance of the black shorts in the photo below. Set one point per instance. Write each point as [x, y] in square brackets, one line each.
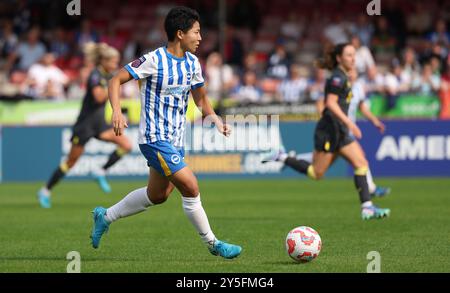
[87, 128]
[329, 136]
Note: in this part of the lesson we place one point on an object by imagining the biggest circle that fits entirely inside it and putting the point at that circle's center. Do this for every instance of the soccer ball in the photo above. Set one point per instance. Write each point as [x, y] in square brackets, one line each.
[303, 244]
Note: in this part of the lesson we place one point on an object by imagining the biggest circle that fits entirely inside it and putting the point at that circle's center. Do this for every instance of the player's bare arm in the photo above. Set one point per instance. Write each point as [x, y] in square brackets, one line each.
[118, 120]
[202, 102]
[372, 118]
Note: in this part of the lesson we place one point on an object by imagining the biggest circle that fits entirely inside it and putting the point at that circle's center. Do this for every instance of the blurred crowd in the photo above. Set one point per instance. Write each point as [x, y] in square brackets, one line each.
[268, 57]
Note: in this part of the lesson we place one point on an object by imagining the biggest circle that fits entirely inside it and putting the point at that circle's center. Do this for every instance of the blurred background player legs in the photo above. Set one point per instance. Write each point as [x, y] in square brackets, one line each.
[124, 146]
[323, 160]
[374, 190]
[91, 120]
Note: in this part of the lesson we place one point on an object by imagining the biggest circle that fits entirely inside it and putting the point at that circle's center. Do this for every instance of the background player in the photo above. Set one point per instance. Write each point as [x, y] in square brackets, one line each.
[357, 102]
[91, 121]
[332, 134]
[167, 76]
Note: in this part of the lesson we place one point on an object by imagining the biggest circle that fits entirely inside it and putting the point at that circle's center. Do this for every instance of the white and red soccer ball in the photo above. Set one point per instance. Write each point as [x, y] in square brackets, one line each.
[303, 244]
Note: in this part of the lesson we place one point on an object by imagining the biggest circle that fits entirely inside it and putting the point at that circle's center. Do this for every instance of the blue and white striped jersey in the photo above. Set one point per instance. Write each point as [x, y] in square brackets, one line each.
[165, 82]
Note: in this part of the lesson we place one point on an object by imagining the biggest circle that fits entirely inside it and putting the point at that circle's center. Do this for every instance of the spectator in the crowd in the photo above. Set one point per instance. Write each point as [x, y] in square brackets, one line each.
[428, 83]
[419, 20]
[440, 34]
[411, 67]
[8, 41]
[249, 91]
[337, 32]
[85, 35]
[279, 63]
[363, 58]
[45, 80]
[394, 84]
[373, 82]
[28, 52]
[292, 90]
[384, 41]
[251, 63]
[291, 29]
[363, 29]
[316, 88]
[436, 65]
[444, 93]
[59, 44]
[219, 76]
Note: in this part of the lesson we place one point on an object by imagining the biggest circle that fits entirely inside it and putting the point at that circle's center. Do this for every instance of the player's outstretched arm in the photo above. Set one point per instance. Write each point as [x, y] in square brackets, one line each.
[118, 120]
[371, 117]
[202, 102]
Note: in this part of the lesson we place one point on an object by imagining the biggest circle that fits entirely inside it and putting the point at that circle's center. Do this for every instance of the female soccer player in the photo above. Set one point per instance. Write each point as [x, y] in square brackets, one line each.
[91, 120]
[166, 76]
[332, 134]
[358, 102]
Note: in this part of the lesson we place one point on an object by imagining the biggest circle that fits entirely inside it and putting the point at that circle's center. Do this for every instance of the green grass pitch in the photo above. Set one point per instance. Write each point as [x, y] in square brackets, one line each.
[254, 214]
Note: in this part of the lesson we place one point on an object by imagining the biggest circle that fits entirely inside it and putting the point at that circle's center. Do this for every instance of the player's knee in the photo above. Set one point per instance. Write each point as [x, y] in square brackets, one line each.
[315, 173]
[190, 189]
[361, 163]
[127, 147]
[160, 196]
[157, 197]
[70, 163]
[158, 200]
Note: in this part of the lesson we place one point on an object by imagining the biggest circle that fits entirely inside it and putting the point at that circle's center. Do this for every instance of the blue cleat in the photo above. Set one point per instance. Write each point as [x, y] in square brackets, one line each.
[101, 226]
[381, 191]
[103, 183]
[278, 155]
[225, 250]
[374, 212]
[44, 198]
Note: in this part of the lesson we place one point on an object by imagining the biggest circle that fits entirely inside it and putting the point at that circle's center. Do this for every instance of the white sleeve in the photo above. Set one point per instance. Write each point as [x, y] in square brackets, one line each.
[197, 78]
[141, 68]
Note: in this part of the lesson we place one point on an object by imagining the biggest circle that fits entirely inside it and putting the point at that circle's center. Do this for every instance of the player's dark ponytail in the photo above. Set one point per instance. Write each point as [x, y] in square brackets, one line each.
[329, 60]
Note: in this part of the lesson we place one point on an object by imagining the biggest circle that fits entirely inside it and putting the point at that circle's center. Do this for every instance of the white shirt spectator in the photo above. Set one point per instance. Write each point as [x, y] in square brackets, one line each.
[336, 33]
[363, 59]
[218, 77]
[427, 86]
[42, 75]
